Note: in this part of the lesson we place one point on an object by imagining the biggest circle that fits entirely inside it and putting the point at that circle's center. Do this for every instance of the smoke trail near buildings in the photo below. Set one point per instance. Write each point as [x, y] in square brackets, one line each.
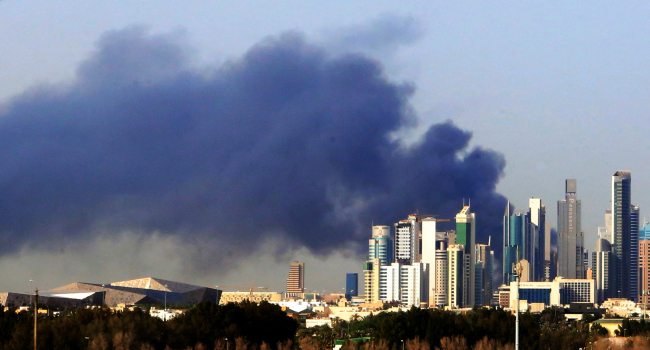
[288, 141]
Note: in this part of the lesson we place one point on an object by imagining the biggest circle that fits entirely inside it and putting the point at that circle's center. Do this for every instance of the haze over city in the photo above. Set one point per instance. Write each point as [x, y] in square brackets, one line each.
[216, 143]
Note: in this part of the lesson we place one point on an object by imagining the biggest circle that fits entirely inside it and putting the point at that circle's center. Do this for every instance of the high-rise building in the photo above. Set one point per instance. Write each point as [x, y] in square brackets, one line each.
[441, 286]
[514, 242]
[466, 236]
[644, 271]
[389, 283]
[621, 231]
[407, 241]
[484, 271]
[570, 235]
[548, 266]
[411, 283]
[351, 285]
[601, 269]
[634, 252]
[379, 246]
[371, 271]
[296, 280]
[429, 240]
[537, 231]
[455, 257]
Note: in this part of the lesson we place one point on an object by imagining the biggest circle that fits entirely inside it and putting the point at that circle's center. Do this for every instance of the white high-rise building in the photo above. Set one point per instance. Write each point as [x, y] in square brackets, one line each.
[537, 217]
[389, 283]
[407, 240]
[411, 282]
[429, 239]
[466, 236]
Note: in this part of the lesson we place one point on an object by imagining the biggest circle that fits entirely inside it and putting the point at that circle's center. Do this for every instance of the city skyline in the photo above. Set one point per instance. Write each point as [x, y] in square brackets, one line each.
[535, 95]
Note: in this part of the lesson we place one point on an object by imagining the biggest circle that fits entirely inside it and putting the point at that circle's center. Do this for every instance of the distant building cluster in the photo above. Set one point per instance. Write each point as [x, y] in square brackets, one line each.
[414, 264]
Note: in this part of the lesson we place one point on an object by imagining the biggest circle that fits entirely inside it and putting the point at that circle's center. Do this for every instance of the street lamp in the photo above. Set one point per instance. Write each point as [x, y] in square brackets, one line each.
[31, 286]
[402, 344]
[104, 297]
[165, 312]
[226, 343]
[516, 272]
[87, 338]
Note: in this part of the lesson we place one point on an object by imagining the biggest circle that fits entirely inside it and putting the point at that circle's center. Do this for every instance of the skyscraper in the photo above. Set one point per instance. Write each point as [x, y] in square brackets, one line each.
[466, 235]
[429, 243]
[407, 241]
[644, 270]
[634, 252]
[455, 257]
[570, 236]
[351, 285]
[296, 280]
[601, 266]
[537, 229]
[441, 283]
[621, 231]
[484, 269]
[371, 271]
[514, 242]
[379, 246]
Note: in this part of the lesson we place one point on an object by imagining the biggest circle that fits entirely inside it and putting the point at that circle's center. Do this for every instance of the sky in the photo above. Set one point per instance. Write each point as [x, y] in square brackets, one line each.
[560, 90]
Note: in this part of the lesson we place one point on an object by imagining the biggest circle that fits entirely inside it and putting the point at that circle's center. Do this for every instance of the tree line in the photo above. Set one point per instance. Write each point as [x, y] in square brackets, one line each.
[246, 326]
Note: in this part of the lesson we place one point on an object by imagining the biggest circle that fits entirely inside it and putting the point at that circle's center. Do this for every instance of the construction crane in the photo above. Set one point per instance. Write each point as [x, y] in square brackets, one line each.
[252, 287]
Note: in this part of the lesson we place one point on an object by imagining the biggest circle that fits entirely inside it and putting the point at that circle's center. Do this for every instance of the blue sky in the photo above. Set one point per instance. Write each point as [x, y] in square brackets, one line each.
[562, 89]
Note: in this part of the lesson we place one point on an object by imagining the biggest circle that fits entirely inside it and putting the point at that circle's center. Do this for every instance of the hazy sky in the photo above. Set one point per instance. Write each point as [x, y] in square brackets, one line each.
[561, 89]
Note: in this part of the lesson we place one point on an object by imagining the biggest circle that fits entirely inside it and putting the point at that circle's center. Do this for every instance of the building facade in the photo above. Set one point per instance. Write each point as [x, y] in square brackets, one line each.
[455, 257]
[379, 246]
[351, 285]
[296, 280]
[601, 268]
[466, 236]
[570, 236]
[621, 231]
[644, 270]
[407, 241]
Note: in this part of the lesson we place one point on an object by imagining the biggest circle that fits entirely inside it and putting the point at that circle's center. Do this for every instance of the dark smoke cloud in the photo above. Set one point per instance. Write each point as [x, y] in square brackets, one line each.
[288, 141]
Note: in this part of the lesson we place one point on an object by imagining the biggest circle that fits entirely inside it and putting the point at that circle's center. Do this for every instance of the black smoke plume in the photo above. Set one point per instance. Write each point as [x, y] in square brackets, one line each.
[288, 142]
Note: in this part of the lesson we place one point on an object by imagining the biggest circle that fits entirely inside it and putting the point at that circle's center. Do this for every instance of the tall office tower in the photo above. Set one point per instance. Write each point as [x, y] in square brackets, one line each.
[484, 268]
[429, 238]
[379, 245]
[389, 283]
[440, 289]
[644, 270]
[547, 254]
[296, 280]
[514, 242]
[537, 229]
[621, 204]
[407, 241]
[634, 252]
[371, 280]
[466, 236]
[455, 257]
[570, 236]
[351, 285]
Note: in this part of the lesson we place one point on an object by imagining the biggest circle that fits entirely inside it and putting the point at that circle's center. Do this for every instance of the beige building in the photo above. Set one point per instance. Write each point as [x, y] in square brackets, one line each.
[371, 280]
[238, 297]
[644, 270]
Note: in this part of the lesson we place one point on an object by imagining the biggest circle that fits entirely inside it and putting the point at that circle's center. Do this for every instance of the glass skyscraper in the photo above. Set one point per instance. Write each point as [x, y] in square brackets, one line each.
[621, 230]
